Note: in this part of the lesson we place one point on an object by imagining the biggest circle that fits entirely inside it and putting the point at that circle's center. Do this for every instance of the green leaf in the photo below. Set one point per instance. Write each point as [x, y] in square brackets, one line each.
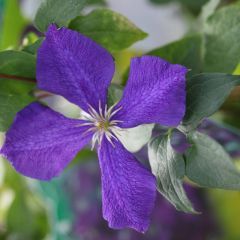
[12, 25]
[114, 94]
[27, 218]
[14, 96]
[32, 48]
[161, 1]
[209, 8]
[96, 2]
[169, 169]
[58, 12]
[193, 6]
[208, 165]
[186, 51]
[205, 94]
[110, 29]
[222, 37]
[17, 63]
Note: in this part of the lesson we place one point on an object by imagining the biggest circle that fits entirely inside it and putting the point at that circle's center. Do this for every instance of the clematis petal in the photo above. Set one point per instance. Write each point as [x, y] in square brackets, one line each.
[155, 93]
[74, 66]
[41, 142]
[128, 188]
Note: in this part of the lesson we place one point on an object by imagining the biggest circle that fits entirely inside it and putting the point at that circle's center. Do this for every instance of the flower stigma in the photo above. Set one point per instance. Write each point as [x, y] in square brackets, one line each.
[101, 123]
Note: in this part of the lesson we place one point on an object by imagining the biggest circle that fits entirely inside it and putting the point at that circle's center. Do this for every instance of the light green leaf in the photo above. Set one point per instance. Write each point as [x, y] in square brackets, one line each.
[186, 51]
[58, 12]
[209, 8]
[12, 25]
[27, 206]
[222, 37]
[14, 95]
[23, 204]
[169, 169]
[108, 28]
[205, 95]
[32, 48]
[16, 63]
[208, 165]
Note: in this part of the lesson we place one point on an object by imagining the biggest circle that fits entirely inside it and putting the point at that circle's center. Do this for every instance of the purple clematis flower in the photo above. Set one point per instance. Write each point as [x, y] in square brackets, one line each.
[41, 142]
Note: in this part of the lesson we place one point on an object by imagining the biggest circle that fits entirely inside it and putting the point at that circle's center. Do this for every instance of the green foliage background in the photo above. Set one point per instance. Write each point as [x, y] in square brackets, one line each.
[212, 47]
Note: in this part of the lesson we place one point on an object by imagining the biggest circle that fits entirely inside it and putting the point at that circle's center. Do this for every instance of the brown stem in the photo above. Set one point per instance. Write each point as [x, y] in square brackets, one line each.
[39, 94]
[18, 78]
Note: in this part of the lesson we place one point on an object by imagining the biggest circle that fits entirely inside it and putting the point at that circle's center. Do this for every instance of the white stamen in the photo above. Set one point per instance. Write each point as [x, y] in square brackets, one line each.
[101, 124]
[114, 112]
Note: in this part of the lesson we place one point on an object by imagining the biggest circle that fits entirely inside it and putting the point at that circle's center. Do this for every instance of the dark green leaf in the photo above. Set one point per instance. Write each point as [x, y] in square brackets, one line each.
[58, 12]
[192, 5]
[114, 94]
[96, 2]
[205, 94]
[208, 165]
[161, 1]
[186, 51]
[14, 96]
[17, 63]
[222, 37]
[169, 169]
[110, 29]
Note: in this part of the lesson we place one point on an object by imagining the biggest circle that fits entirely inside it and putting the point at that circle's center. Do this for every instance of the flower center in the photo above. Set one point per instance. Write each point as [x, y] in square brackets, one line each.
[101, 123]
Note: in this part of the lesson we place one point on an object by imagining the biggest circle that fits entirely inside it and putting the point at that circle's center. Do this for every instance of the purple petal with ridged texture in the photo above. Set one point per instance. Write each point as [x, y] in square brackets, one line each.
[128, 188]
[74, 66]
[41, 142]
[155, 93]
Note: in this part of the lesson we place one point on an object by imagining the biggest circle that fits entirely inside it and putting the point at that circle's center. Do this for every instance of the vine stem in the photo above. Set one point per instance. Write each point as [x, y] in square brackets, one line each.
[39, 94]
[26, 79]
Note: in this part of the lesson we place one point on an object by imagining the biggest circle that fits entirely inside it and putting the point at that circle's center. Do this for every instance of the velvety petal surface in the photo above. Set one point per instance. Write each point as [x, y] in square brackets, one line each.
[41, 142]
[128, 188]
[74, 66]
[155, 93]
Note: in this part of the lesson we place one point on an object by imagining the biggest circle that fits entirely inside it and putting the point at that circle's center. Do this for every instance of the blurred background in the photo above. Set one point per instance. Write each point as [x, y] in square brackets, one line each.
[69, 207]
